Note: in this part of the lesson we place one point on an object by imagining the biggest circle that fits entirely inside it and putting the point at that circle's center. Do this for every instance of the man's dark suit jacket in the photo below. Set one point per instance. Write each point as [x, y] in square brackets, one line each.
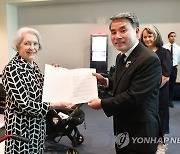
[134, 105]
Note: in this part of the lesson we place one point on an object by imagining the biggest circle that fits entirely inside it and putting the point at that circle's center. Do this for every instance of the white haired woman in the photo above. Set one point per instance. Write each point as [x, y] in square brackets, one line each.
[25, 112]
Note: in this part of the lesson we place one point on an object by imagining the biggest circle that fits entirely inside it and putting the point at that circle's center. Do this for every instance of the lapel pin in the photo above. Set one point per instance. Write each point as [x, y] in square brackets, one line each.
[127, 64]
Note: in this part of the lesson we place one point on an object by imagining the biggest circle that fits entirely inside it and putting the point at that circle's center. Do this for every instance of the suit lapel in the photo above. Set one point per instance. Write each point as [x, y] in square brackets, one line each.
[128, 64]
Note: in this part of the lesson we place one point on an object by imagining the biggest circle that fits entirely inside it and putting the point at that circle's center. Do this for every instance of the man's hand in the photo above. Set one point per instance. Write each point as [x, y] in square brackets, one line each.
[101, 80]
[95, 104]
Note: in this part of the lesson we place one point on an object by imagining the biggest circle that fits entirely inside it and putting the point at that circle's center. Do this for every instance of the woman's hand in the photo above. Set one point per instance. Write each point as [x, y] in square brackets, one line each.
[66, 106]
[55, 65]
[62, 105]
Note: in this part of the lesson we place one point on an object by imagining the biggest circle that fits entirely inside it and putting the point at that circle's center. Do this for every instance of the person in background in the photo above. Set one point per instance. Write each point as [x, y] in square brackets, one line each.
[152, 39]
[175, 51]
[23, 82]
[136, 83]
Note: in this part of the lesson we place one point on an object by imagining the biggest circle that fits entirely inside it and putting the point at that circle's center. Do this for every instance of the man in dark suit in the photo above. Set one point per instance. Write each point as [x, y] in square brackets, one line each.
[134, 104]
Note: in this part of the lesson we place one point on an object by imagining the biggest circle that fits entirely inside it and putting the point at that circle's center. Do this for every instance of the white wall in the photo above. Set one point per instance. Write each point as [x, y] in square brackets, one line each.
[8, 26]
[3, 37]
[66, 28]
[12, 26]
[71, 50]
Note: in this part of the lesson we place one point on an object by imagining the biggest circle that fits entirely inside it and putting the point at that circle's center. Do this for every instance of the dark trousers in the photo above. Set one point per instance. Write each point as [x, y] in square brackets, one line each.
[172, 81]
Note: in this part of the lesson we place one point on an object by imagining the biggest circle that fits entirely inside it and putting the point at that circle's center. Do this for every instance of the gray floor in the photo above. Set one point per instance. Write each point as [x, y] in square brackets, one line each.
[98, 135]
[174, 148]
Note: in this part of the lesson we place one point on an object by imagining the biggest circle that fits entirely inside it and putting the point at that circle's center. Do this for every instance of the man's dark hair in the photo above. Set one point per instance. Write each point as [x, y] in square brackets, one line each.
[126, 15]
[171, 33]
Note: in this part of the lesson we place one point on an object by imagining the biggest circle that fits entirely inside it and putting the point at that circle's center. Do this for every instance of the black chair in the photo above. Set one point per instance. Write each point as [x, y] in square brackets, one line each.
[103, 92]
[57, 127]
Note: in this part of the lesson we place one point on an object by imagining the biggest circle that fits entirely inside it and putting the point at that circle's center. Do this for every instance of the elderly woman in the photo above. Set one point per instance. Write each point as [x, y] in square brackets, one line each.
[152, 39]
[25, 112]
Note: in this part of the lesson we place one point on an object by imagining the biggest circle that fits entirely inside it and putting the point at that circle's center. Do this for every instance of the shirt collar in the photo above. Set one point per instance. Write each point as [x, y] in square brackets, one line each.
[130, 50]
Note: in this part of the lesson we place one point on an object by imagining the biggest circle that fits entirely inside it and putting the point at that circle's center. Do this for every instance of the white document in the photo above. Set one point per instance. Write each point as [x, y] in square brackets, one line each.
[73, 86]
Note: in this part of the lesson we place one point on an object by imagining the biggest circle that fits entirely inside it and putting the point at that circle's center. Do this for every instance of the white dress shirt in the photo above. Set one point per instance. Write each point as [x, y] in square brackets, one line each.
[127, 54]
[176, 52]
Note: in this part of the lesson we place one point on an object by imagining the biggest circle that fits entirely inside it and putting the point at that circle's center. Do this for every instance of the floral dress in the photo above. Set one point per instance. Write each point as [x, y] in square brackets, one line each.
[24, 112]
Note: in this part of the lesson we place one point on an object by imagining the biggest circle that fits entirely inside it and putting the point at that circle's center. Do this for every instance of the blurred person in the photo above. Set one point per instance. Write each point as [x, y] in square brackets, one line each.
[152, 39]
[136, 83]
[23, 82]
[175, 51]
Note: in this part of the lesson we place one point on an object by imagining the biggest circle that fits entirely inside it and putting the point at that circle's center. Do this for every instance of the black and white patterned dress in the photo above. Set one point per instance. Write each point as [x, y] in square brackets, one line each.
[24, 113]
